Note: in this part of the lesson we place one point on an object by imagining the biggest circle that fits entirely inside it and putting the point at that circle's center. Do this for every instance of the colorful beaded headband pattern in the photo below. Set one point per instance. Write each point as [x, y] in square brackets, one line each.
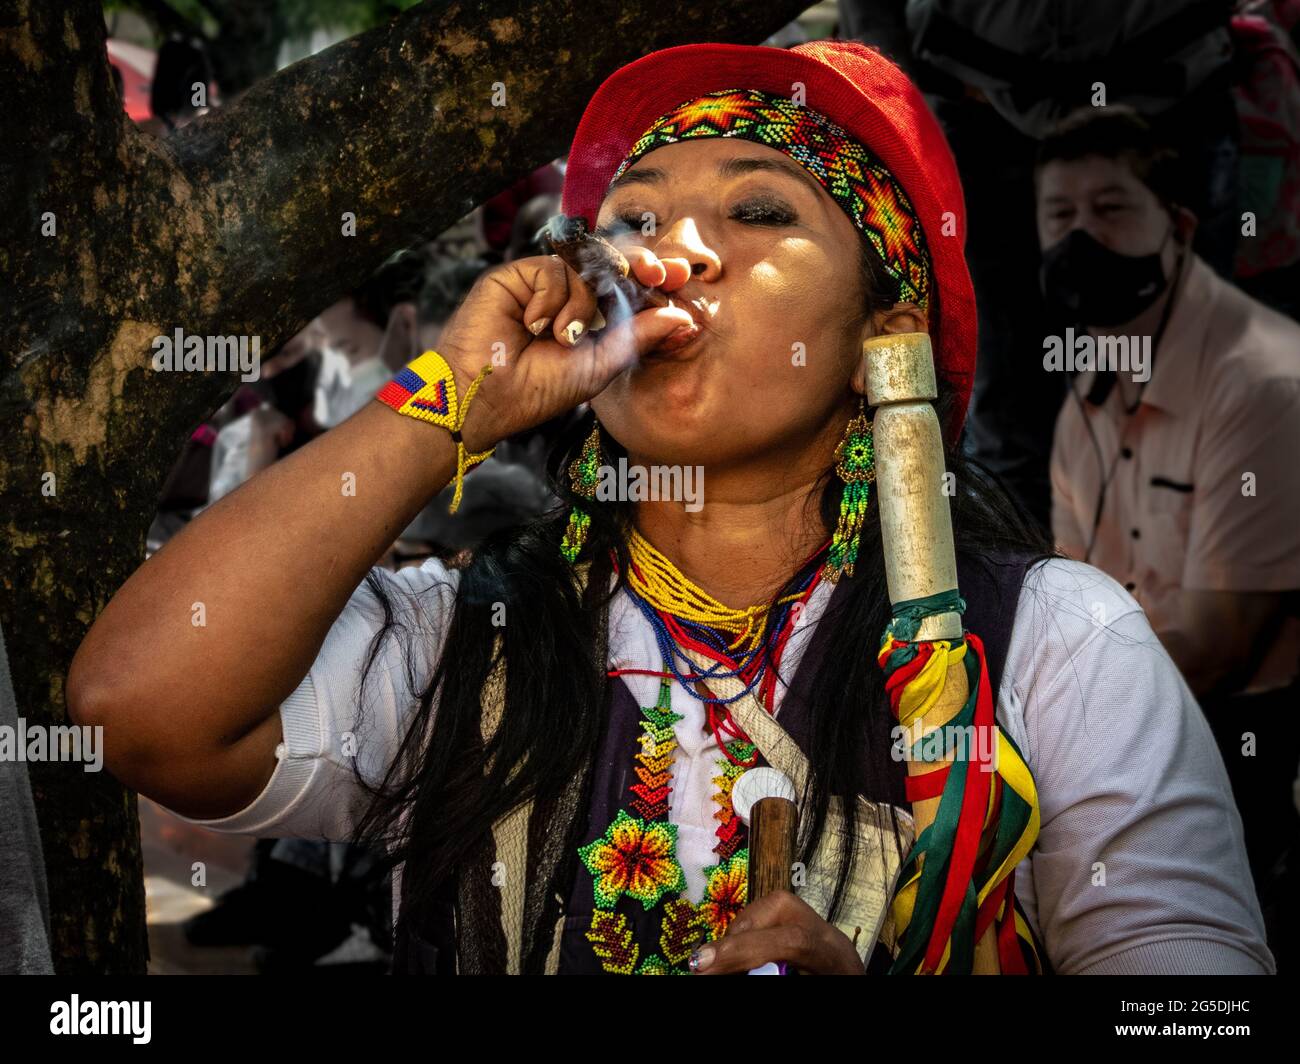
[855, 178]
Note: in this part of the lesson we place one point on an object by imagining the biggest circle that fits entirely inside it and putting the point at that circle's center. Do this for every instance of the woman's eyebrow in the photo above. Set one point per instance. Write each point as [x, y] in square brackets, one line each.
[736, 166]
[647, 176]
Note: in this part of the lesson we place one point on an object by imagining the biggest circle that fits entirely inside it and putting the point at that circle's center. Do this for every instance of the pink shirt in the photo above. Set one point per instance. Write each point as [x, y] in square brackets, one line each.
[1205, 488]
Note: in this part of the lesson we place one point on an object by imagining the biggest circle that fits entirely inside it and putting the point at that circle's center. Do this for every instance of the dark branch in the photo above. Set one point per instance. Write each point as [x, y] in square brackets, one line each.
[397, 125]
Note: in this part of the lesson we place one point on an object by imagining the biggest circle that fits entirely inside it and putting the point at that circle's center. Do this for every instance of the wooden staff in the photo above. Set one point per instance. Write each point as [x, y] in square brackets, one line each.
[916, 529]
[763, 798]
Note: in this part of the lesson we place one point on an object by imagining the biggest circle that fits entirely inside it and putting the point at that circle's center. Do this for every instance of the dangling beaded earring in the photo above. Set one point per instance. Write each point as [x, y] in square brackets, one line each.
[855, 465]
[583, 474]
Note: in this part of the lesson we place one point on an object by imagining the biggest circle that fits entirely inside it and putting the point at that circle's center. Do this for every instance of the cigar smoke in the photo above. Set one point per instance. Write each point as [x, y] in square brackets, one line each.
[619, 295]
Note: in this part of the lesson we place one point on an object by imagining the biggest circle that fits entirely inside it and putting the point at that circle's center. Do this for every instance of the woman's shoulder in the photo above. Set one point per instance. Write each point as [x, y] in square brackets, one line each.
[1065, 606]
[411, 590]
[1065, 581]
[1082, 652]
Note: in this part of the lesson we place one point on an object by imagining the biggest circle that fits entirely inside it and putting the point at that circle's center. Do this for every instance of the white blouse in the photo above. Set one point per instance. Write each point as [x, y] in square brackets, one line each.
[1139, 866]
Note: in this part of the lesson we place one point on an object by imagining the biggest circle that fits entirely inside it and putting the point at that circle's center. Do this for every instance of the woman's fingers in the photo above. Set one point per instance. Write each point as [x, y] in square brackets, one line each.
[619, 346]
[780, 927]
[668, 274]
[735, 954]
[545, 291]
[578, 315]
[561, 302]
[647, 267]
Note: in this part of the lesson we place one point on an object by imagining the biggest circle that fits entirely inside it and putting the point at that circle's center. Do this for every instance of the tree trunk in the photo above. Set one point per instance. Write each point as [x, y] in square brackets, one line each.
[234, 226]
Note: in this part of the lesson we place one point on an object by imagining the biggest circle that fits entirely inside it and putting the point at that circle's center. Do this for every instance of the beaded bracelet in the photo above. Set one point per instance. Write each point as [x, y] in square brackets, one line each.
[426, 389]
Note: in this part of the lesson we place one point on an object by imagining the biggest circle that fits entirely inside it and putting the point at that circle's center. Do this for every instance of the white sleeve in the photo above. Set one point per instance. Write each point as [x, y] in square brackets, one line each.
[1139, 865]
[328, 727]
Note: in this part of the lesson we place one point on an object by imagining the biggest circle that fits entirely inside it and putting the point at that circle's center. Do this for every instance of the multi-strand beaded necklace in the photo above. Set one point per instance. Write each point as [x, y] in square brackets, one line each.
[636, 856]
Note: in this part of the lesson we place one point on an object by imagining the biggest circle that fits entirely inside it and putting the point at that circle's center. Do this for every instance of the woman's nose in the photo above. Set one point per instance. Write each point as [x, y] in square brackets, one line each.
[683, 241]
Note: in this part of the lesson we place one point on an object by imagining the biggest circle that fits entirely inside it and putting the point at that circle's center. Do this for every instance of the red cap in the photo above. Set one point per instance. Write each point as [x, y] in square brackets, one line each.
[845, 81]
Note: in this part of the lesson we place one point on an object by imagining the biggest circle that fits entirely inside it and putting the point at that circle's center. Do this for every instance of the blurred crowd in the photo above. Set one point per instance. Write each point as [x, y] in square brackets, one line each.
[1130, 169]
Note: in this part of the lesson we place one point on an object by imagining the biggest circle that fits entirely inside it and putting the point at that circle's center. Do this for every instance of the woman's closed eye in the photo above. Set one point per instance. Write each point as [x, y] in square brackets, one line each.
[624, 223]
[751, 212]
[764, 212]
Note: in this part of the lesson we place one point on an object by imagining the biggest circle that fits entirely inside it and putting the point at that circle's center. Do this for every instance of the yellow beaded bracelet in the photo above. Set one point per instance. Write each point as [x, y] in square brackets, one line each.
[426, 389]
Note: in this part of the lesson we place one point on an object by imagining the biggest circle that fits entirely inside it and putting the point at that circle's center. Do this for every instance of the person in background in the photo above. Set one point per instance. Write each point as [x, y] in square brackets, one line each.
[351, 369]
[999, 76]
[364, 336]
[287, 385]
[1178, 477]
[500, 211]
[182, 65]
[251, 441]
[529, 222]
[308, 903]
[1267, 92]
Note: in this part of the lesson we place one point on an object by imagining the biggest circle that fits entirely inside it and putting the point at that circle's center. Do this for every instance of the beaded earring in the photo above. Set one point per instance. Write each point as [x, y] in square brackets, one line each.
[583, 474]
[855, 465]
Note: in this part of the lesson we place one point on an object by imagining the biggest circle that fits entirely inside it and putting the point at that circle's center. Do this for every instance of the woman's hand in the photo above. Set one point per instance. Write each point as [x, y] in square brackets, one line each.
[780, 927]
[531, 319]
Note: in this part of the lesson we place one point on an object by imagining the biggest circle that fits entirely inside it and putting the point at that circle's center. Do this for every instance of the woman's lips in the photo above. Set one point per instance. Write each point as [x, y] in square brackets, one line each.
[676, 341]
[681, 342]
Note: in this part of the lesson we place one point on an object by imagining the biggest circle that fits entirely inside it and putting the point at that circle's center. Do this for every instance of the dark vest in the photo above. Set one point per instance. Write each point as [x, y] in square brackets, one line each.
[464, 936]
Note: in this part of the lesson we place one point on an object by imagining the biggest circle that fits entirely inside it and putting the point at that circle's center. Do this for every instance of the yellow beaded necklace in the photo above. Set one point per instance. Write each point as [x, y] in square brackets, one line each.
[665, 587]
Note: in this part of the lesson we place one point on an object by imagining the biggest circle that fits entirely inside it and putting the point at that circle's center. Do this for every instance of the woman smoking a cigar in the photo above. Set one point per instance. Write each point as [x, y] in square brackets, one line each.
[577, 817]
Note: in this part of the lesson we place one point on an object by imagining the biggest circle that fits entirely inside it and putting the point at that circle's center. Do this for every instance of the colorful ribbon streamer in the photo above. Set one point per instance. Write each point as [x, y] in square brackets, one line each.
[959, 877]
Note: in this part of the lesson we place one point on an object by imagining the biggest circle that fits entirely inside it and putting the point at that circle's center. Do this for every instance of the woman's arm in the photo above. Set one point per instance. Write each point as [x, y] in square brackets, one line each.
[1139, 866]
[187, 665]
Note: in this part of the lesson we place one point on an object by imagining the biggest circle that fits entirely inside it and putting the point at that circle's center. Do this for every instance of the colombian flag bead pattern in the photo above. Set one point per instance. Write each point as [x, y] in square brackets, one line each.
[426, 389]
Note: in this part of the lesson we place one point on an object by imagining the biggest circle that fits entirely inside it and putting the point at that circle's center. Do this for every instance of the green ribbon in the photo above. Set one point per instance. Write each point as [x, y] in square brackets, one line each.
[909, 614]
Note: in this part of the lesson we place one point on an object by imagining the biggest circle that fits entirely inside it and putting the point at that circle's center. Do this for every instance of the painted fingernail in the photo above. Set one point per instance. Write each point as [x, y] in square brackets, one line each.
[539, 326]
[701, 958]
[573, 331]
[597, 321]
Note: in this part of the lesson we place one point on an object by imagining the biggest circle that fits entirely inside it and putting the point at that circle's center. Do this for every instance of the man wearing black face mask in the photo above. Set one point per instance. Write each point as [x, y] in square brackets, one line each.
[1087, 283]
[1176, 461]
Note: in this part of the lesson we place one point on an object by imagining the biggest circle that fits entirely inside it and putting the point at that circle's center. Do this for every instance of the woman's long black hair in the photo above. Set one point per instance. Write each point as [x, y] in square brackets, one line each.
[436, 801]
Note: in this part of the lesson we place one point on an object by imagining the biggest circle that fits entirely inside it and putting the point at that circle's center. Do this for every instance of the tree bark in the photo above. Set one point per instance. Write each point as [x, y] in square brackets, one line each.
[234, 226]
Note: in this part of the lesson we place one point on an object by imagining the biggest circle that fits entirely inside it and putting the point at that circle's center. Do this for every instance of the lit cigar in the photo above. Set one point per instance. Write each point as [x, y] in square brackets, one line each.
[602, 266]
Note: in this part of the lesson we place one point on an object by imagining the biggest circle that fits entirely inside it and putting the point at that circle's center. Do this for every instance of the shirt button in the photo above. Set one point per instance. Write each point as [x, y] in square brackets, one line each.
[1127, 452]
[1136, 533]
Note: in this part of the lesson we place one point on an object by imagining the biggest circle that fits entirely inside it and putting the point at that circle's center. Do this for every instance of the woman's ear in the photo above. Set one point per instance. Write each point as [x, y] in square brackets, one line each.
[900, 318]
